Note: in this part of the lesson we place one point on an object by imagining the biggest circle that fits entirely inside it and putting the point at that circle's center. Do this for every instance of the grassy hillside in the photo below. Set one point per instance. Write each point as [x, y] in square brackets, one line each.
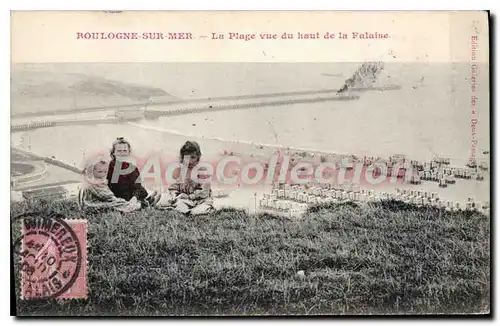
[37, 91]
[384, 258]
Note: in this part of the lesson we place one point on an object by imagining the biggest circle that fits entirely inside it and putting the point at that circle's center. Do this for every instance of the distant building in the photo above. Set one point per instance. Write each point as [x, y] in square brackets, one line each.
[54, 193]
[16, 196]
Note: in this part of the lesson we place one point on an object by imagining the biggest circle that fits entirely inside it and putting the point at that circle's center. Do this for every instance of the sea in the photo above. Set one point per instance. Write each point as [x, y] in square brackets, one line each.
[430, 115]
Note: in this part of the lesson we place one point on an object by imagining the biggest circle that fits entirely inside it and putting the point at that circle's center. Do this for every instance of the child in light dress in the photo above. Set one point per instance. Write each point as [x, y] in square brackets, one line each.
[97, 194]
[191, 196]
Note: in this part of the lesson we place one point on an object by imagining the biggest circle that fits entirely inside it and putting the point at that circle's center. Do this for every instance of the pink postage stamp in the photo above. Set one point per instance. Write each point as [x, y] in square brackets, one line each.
[53, 258]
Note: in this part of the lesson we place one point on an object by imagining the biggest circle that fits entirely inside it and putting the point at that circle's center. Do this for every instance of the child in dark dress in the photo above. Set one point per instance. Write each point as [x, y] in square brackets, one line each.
[128, 185]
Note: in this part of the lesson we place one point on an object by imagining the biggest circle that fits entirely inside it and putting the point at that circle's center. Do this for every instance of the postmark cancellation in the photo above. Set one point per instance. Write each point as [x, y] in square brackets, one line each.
[53, 258]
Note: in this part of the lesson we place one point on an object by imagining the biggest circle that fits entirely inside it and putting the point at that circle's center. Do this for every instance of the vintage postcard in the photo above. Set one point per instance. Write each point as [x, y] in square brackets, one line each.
[250, 163]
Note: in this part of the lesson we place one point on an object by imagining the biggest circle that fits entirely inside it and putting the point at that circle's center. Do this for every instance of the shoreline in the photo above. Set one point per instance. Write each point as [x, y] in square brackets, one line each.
[213, 147]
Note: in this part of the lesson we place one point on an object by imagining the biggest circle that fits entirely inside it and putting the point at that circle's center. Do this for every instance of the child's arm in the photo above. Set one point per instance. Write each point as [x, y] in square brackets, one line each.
[139, 192]
[105, 195]
[204, 192]
[174, 189]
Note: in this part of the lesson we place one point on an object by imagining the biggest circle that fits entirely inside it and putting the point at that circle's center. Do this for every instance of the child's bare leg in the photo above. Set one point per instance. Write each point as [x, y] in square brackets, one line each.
[183, 205]
[164, 201]
[202, 208]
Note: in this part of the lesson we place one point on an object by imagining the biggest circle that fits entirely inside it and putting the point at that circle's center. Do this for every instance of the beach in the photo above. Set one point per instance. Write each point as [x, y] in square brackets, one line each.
[428, 117]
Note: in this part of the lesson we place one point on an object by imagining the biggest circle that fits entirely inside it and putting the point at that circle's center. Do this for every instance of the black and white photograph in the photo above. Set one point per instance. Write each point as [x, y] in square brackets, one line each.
[252, 188]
